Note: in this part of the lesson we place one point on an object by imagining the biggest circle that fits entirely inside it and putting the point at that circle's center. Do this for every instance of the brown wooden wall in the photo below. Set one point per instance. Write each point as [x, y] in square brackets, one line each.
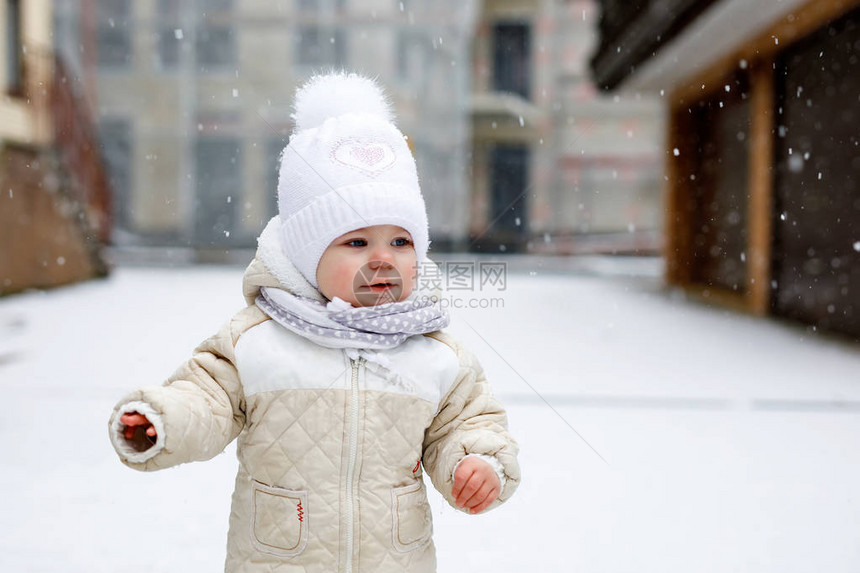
[750, 222]
[816, 269]
[42, 243]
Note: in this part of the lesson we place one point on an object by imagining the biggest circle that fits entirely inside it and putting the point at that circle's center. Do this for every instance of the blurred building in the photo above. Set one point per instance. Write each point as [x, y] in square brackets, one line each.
[194, 104]
[54, 201]
[516, 150]
[761, 160]
[558, 167]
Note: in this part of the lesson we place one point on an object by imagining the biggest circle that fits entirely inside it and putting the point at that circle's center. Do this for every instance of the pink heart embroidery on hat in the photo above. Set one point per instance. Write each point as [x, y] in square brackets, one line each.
[368, 155]
[371, 157]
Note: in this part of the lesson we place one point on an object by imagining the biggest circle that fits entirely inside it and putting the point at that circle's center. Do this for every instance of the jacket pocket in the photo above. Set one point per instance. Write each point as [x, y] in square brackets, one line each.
[279, 521]
[412, 521]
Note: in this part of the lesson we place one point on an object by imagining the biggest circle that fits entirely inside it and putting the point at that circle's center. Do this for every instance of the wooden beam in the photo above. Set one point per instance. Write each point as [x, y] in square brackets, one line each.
[766, 46]
[761, 187]
[678, 247]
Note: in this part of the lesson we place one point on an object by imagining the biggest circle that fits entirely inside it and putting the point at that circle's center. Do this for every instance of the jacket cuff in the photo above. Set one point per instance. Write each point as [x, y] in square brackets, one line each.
[126, 450]
[494, 463]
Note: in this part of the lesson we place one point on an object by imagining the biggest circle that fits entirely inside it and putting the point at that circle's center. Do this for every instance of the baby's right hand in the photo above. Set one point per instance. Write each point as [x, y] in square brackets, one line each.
[133, 421]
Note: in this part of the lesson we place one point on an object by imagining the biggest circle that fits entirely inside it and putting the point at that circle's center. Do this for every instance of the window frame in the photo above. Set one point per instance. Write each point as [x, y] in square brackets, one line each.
[105, 22]
[15, 63]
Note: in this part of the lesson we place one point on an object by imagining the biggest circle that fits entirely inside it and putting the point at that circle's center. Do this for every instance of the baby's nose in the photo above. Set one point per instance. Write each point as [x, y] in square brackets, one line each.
[381, 255]
[379, 261]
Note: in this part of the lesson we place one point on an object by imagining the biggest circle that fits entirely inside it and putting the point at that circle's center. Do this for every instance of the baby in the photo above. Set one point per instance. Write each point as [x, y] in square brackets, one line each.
[337, 377]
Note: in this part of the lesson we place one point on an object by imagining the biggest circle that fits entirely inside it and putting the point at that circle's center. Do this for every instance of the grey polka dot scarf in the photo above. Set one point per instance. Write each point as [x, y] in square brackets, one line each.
[340, 325]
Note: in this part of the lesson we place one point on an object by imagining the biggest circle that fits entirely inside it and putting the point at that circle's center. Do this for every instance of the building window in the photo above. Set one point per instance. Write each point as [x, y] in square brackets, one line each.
[218, 168]
[113, 33]
[411, 55]
[14, 48]
[215, 41]
[216, 47]
[512, 59]
[170, 33]
[115, 138]
[319, 46]
[508, 185]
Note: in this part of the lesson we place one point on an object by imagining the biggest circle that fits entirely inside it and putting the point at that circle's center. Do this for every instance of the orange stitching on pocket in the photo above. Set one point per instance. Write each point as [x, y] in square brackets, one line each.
[294, 495]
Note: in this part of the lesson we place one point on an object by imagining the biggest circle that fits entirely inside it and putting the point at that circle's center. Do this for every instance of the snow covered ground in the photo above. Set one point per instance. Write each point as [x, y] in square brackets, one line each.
[656, 434]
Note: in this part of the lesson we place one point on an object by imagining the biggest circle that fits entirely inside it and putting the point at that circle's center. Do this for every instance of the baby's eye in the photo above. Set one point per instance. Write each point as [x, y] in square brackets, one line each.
[361, 243]
[401, 242]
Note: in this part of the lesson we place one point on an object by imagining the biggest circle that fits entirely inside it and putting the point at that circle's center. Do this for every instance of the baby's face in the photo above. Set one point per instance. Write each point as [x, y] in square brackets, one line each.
[369, 266]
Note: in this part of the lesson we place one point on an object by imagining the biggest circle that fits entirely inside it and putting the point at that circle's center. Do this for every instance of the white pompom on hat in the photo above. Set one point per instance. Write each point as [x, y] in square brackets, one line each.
[346, 167]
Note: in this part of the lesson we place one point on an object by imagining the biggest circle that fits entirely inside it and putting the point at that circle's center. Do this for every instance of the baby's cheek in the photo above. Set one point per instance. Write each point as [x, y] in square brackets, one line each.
[408, 286]
[409, 277]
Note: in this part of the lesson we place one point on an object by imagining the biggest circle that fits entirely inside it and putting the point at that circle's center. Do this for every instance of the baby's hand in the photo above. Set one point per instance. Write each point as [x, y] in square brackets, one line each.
[133, 421]
[476, 485]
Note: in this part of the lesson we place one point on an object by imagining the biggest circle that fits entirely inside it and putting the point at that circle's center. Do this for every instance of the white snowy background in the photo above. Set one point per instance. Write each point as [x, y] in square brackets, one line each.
[730, 443]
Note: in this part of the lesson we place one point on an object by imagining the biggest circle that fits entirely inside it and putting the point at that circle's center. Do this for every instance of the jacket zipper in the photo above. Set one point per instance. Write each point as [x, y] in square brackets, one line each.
[350, 468]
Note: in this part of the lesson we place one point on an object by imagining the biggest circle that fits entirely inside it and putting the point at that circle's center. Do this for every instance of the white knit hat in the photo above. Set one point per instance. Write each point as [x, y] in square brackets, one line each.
[346, 167]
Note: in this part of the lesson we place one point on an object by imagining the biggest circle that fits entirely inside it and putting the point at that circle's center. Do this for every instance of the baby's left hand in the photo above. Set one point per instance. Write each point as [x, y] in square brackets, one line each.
[476, 485]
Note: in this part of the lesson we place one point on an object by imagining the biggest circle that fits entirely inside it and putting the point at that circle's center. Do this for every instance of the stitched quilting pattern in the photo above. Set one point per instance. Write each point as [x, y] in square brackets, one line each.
[295, 440]
[394, 432]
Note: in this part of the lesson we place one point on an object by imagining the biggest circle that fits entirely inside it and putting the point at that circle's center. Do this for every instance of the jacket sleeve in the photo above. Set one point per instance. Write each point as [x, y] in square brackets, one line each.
[196, 412]
[469, 421]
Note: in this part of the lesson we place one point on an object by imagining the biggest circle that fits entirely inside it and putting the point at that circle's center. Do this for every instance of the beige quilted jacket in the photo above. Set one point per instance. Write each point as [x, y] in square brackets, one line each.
[330, 452]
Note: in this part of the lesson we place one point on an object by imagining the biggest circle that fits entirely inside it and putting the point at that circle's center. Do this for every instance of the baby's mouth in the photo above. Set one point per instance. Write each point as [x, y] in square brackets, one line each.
[381, 285]
[379, 290]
